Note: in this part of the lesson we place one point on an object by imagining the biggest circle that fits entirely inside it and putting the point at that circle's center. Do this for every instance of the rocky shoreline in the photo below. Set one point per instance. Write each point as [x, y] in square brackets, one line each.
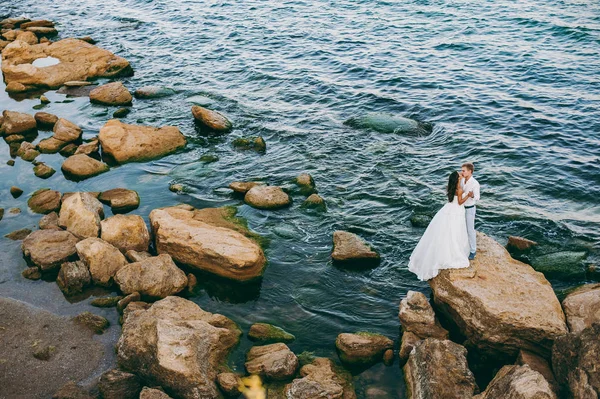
[499, 308]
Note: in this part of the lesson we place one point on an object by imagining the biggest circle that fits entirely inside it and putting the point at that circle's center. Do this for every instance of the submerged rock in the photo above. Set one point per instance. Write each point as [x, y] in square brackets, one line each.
[133, 143]
[120, 200]
[500, 305]
[562, 265]
[362, 348]
[388, 123]
[267, 197]
[306, 183]
[243, 187]
[48, 249]
[68, 150]
[106, 302]
[18, 235]
[27, 151]
[32, 273]
[257, 143]
[438, 369]
[114, 93]
[213, 120]
[102, 259]
[17, 122]
[274, 362]
[408, 342]
[117, 384]
[43, 171]
[518, 382]
[44, 201]
[178, 345]
[582, 307]
[121, 112]
[268, 333]
[126, 232]
[78, 61]
[205, 242]
[73, 277]
[93, 322]
[15, 192]
[349, 248]
[420, 220]
[82, 166]
[80, 214]
[153, 92]
[155, 277]
[315, 201]
[520, 243]
[321, 379]
[51, 145]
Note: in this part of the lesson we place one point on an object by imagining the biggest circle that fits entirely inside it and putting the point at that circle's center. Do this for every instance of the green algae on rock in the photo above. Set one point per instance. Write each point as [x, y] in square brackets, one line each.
[268, 334]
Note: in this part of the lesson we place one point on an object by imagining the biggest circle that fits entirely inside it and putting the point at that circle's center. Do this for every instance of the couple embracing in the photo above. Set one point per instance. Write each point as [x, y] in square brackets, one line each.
[449, 242]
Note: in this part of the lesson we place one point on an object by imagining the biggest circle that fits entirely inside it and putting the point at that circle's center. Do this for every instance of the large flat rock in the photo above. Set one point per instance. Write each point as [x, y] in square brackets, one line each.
[500, 304]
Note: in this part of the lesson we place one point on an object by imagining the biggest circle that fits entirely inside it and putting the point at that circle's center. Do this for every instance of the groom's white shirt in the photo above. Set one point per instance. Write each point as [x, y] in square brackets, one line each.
[470, 185]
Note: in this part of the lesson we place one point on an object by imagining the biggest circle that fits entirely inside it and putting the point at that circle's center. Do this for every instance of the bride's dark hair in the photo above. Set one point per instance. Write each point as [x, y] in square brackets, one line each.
[452, 184]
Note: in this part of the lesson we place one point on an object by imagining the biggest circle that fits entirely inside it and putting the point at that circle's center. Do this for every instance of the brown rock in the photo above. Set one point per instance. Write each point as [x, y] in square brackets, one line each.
[88, 148]
[15, 192]
[416, 316]
[268, 333]
[10, 34]
[106, 302]
[195, 240]
[518, 382]
[126, 232]
[267, 197]
[229, 384]
[39, 22]
[122, 304]
[242, 187]
[177, 345]
[362, 348]
[500, 304]
[438, 369]
[27, 37]
[93, 322]
[388, 357]
[73, 277]
[66, 131]
[48, 249]
[408, 343]
[14, 138]
[155, 277]
[211, 119]
[133, 143]
[321, 379]
[539, 364]
[17, 122]
[520, 243]
[114, 93]
[18, 235]
[151, 393]
[43, 171]
[68, 150]
[27, 151]
[192, 283]
[348, 247]
[117, 384]
[50, 145]
[72, 391]
[44, 201]
[582, 307]
[78, 61]
[275, 361]
[102, 259]
[82, 166]
[45, 120]
[81, 214]
[49, 222]
[120, 200]
[42, 31]
[135, 256]
[32, 273]
[314, 201]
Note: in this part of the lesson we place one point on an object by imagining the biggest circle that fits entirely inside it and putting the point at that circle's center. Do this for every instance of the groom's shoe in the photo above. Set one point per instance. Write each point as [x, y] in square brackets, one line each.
[472, 256]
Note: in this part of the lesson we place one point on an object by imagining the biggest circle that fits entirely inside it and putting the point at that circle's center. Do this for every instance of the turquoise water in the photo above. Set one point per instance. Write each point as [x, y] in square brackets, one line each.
[512, 87]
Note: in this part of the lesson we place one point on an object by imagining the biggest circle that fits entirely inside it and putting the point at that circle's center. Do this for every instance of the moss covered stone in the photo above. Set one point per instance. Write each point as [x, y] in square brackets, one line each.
[268, 333]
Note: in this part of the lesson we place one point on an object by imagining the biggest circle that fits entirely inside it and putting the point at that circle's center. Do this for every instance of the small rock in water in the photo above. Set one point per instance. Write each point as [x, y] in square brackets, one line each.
[306, 183]
[120, 200]
[243, 187]
[94, 322]
[45, 120]
[48, 249]
[209, 158]
[14, 211]
[315, 201]
[257, 144]
[18, 235]
[77, 83]
[44, 100]
[520, 243]
[81, 166]
[417, 316]
[73, 277]
[153, 92]
[10, 162]
[43, 171]
[321, 379]
[388, 123]
[117, 384]
[350, 248]
[66, 131]
[88, 39]
[68, 150]
[420, 220]
[121, 112]
[388, 357]
[362, 348]
[114, 93]
[212, 120]
[49, 222]
[15, 192]
[106, 302]
[564, 265]
[51, 145]
[230, 383]
[275, 361]
[192, 283]
[17, 123]
[267, 333]
[267, 197]
[88, 148]
[133, 297]
[32, 273]
[43, 31]
[44, 201]
[176, 187]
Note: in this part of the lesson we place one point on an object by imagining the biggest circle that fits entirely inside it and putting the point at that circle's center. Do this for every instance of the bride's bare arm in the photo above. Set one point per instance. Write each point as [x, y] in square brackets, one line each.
[459, 194]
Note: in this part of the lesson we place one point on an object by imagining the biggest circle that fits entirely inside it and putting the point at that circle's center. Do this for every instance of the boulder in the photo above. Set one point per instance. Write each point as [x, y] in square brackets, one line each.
[267, 197]
[65, 130]
[78, 60]
[43, 171]
[229, 384]
[362, 348]
[178, 345]
[88, 148]
[44, 201]
[408, 342]
[51, 145]
[133, 143]
[42, 31]
[350, 248]
[82, 166]
[10, 34]
[102, 259]
[49, 222]
[154, 277]
[27, 37]
[212, 244]
[306, 183]
[564, 265]
[274, 362]
[520, 243]
[27, 151]
[582, 307]
[96, 324]
[499, 304]
[212, 120]
[81, 214]
[153, 92]
[416, 316]
[268, 333]
[438, 369]
[151, 393]
[48, 249]
[17, 122]
[575, 362]
[242, 187]
[135, 256]
[389, 123]
[73, 277]
[120, 200]
[117, 384]
[539, 364]
[45, 120]
[39, 22]
[321, 379]
[518, 382]
[114, 93]
[126, 232]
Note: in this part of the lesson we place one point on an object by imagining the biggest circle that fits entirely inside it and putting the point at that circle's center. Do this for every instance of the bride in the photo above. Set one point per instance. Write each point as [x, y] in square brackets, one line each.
[445, 244]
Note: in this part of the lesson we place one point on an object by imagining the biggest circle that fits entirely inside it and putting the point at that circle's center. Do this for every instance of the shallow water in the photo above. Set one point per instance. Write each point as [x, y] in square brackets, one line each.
[512, 87]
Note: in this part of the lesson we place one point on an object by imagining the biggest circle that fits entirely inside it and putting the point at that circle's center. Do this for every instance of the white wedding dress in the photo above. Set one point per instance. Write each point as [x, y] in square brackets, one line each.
[444, 245]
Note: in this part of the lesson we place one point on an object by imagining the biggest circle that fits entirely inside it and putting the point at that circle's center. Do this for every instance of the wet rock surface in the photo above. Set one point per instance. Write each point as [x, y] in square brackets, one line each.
[582, 307]
[267, 197]
[126, 232]
[268, 334]
[114, 93]
[48, 249]
[321, 379]
[212, 120]
[351, 249]
[275, 361]
[518, 382]
[81, 214]
[120, 200]
[81, 166]
[155, 277]
[102, 259]
[44, 201]
[362, 348]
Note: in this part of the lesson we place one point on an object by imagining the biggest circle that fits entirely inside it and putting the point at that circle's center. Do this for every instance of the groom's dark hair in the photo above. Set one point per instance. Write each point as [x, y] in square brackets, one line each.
[469, 166]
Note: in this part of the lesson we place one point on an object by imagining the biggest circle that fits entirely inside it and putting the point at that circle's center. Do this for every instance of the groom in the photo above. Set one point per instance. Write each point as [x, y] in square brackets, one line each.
[470, 188]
